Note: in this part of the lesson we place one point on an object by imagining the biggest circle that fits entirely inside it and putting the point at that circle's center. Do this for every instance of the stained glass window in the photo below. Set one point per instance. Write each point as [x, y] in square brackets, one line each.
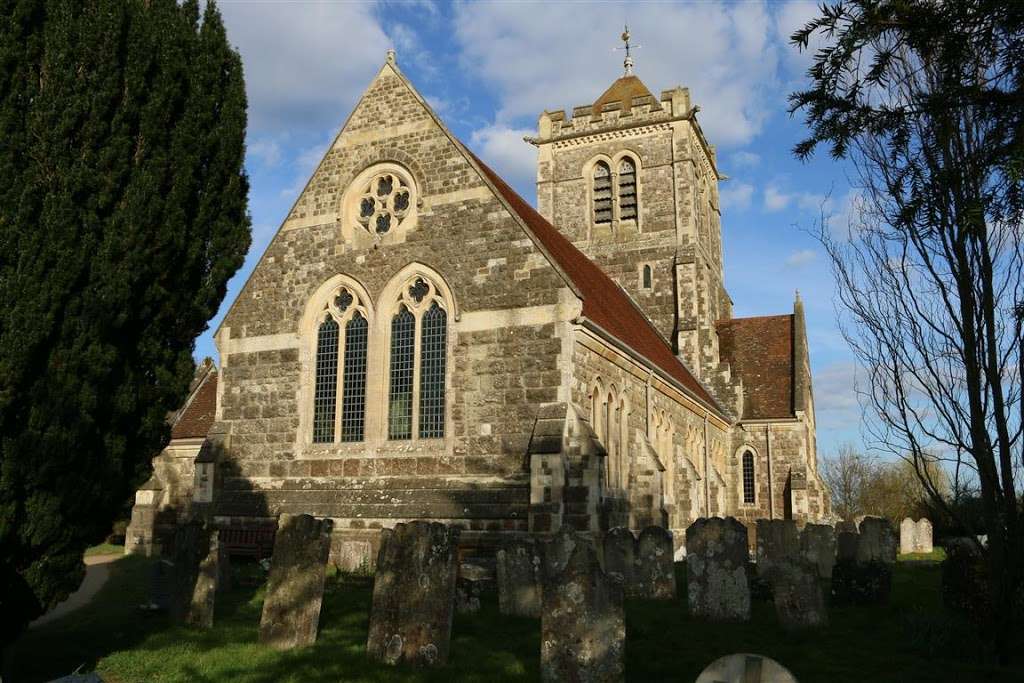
[325, 394]
[602, 193]
[353, 402]
[627, 189]
[433, 338]
[403, 345]
[748, 477]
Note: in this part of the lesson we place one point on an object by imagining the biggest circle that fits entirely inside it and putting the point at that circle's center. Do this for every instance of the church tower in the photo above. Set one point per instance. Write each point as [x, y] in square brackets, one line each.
[633, 182]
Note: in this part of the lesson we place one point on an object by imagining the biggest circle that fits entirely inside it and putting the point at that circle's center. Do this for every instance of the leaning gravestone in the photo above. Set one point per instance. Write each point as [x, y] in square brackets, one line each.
[655, 574]
[797, 593]
[908, 530]
[414, 594]
[818, 546]
[877, 541]
[295, 587]
[716, 557]
[193, 590]
[583, 625]
[777, 541]
[620, 557]
[923, 536]
[519, 565]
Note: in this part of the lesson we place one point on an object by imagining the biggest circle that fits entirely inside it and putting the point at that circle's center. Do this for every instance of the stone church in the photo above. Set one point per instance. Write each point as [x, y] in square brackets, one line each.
[419, 342]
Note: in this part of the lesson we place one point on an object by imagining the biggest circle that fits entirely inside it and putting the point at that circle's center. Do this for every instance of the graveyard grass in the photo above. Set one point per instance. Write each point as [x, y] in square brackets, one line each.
[912, 639]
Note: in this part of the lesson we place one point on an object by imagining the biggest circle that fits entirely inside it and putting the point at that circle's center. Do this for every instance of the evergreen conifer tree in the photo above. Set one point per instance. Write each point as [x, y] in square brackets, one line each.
[122, 217]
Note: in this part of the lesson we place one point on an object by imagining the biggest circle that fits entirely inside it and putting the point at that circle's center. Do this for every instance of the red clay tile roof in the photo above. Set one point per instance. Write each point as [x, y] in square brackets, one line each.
[760, 351]
[604, 302]
[195, 419]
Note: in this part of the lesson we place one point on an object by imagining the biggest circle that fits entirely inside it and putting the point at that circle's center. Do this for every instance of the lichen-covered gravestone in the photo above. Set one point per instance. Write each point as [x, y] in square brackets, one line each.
[620, 557]
[877, 541]
[798, 596]
[519, 579]
[196, 558]
[655, 572]
[583, 625]
[777, 541]
[716, 558]
[414, 594]
[295, 587]
[818, 546]
[472, 582]
[908, 530]
[923, 536]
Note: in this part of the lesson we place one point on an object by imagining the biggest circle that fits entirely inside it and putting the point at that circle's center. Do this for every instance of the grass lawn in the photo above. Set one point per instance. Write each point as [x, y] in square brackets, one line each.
[936, 555]
[910, 640]
[105, 549]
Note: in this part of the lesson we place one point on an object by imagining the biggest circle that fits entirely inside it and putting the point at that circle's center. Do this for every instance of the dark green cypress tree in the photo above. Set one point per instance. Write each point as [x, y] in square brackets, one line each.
[122, 216]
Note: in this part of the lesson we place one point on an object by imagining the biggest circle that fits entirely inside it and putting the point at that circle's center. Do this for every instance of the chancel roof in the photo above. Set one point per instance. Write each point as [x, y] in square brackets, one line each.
[760, 351]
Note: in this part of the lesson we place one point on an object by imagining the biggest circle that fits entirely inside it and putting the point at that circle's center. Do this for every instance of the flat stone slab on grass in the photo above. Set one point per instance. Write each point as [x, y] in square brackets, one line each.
[295, 587]
[583, 623]
[716, 559]
[414, 594]
[745, 668]
[519, 586]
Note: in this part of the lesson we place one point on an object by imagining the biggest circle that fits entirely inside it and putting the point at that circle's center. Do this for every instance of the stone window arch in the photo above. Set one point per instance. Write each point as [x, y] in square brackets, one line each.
[646, 276]
[416, 312]
[336, 329]
[380, 205]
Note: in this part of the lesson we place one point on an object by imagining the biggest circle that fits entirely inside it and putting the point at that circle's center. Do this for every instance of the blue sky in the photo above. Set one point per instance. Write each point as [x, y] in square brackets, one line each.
[490, 68]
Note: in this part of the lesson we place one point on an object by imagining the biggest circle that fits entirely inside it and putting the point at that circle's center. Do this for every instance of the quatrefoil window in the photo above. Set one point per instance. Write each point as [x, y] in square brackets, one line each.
[384, 203]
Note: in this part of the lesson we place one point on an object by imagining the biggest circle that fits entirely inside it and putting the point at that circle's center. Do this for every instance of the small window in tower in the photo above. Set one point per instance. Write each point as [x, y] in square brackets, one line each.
[627, 189]
[602, 193]
[647, 277]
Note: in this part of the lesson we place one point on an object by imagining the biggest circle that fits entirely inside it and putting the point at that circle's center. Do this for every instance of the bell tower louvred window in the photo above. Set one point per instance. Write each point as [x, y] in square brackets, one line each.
[627, 190]
[602, 193]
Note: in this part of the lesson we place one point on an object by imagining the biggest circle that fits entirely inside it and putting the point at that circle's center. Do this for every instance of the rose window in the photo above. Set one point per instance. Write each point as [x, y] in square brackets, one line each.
[384, 203]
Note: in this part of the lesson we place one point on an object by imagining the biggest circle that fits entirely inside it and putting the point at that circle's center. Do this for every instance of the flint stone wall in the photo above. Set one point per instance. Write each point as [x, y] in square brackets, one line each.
[583, 625]
[818, 546]
[295, 587]
[716, 558]
[519, 579]
[414, 594]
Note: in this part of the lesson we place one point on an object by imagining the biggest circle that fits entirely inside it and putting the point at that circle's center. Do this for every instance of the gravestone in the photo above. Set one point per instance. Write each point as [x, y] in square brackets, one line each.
[655, 574]
[877, 541]
[818, 546]
[923, 536]
[354, 557]
[798, 596]
[620, 557]
[583, 625]
[193, 584]
[472, 582]
[777, 541]
[847, 526]
[519, 569]
[716, 557]
[745, 668]
[908, 531]
[295, 587]
[414, 594]
[846, 546]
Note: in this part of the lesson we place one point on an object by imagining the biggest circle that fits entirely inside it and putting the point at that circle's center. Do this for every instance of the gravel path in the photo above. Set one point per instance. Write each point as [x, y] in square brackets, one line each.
[97, 571]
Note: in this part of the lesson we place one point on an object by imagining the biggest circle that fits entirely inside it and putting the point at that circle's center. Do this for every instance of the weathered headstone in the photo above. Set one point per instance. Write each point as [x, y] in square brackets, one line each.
[655, 573]
[354, 557]
[519, 569]
[620, 557]
[923, 536]
[798, 596]
[845, 525]
[778, 541]
[583, 625]
[414, 594]
[194, 585]
[908, 532]
[472, 582]
[295, 587]
[818, 546]
[716, 557]
[877, 541]
[745, 668]
[846, 546]
[200, 612]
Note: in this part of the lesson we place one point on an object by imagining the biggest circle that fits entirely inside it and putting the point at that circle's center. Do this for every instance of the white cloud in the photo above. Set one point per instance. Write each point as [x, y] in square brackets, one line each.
[728, 57]
[304, 66]
[736, 195]
[789, 18]
[801, 257]
[266, 150]
[504, 150]
[835, 394]
[775, 200]
[745, 159]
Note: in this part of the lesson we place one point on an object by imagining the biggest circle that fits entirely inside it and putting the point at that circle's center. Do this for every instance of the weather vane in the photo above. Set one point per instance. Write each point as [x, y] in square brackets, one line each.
[627, 63]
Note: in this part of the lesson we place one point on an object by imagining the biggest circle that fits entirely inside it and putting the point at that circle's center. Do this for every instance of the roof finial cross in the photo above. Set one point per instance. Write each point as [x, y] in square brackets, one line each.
[627, 63]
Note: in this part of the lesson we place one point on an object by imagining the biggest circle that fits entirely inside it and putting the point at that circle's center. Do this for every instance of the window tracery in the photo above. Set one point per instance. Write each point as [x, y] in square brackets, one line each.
[341, 347]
